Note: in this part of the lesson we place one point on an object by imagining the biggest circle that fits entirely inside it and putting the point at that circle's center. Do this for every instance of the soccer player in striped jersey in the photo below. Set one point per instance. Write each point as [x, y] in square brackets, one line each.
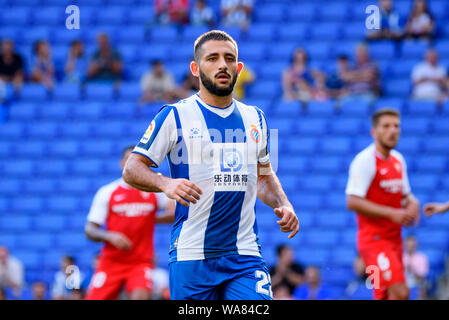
[218, 151]
[378, 190]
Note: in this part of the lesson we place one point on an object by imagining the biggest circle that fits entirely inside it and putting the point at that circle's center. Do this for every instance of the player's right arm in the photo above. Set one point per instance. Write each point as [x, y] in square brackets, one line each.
[97, 217]
[159, 139]
[361, 174]
[432, 208]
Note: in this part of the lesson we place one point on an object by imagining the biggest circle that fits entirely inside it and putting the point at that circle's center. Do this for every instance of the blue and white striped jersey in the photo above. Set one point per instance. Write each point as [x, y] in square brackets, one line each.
[218, 149]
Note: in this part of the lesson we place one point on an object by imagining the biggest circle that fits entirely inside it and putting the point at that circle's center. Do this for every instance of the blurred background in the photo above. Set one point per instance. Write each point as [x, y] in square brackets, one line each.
[71, 100]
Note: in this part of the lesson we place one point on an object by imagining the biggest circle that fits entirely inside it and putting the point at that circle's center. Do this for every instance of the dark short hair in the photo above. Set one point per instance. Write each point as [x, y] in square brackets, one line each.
[211, 35]
[70, 259]
[281, 248]
[383, 112]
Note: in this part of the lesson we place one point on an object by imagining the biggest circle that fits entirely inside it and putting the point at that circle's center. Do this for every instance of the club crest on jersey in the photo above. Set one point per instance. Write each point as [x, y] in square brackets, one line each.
[255, 135]
[147, 135]
[397, 166]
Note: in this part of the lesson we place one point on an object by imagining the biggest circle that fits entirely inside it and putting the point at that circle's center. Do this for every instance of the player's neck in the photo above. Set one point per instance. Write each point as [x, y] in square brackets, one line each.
[213, 100]
[385, 152]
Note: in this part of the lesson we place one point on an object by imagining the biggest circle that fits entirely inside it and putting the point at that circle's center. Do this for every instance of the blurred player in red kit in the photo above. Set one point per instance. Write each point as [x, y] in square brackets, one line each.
[126, 259]
[379, 191]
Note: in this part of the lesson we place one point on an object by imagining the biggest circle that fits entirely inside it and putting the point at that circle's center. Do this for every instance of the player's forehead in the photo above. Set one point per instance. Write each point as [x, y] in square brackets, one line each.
[389, 119]
[220, 47]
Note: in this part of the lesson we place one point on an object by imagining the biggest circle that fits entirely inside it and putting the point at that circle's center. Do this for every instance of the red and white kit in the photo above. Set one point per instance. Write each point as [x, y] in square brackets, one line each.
[122, 208]
[379, 240]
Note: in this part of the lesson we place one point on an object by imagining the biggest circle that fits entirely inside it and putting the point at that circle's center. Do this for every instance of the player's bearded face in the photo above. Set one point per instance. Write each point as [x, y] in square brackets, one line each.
[213, 86]
[388, 131]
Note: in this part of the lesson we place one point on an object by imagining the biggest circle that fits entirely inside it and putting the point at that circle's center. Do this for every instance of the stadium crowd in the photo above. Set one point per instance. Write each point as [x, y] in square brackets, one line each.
[358, 79]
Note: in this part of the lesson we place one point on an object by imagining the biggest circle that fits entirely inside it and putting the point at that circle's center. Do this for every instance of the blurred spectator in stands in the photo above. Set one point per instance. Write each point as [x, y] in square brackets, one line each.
[245, 78]
[11, 65]
[39, 291]
[420, 23]
[300, 82]
[172, 11]
[87, 278]
[60, 289]
[157, 84]
[106, 64]
[390, 23]
[286, 271]
[312, 289]
[335, 81]
[43, 68]
[357, 288]
[190, 85]
[281, 292]
[319, 90]
[2, 294]
[362, 80]
[416, 265]
[237, 13]
[11, 272]
[429, 78]
[202, 14]
[76, 65]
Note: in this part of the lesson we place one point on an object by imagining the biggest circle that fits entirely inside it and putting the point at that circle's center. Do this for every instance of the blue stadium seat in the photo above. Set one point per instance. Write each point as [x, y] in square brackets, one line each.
[72, 240]
[397, 87]
[77, 130]
[112, 15]
[261, 32]
[51, 223]
[24, 111]
[101, 147]
[437, 144]
[30, 258]
[414, 49]
[306, 200]
[284, 109]
[10, 186]
[300, 145]
[270, 12]
[410, 144]
[16, 16]
[420, 108]
[17, 168]
[321, 237]
[432, 238]
[336, 146]
[292, 164]
[88, 110]
[320, 108]
[99, 92]
[36, 240]
[415, 126]
[337, 276]
[336, 200]
[63, 204]
[326, 32]
[423, 181]
[66, 92]
[441, 126]
[51, 168]
[141, 15]
[302, 12]
[319, 183]
[431, 164]
[332, 220]
[265, 89]
[191, 33]
[394, 103]
[315, 257]
[346, 126]
[53, 16]
[130, 92]
[312, 127]
[63, 36]
[56, 111]
[343, 257]
[39, 186]
[64, 149]
[16, 223]
[164, 34]
[33, 93]
[87, 167]
[354, 30]
[353, 108]
[293, 32]
[327, 165]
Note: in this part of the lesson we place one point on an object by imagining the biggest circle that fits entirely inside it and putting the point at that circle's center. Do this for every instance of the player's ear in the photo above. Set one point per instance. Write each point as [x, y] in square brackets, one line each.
[373, 133]
[239, 67]
[195, 68]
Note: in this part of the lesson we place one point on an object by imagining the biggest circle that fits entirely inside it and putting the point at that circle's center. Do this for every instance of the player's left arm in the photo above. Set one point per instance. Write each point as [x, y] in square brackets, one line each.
[270, 192]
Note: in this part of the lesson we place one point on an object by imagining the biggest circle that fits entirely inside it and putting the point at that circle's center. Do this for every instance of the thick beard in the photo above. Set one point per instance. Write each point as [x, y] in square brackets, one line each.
[214, 89]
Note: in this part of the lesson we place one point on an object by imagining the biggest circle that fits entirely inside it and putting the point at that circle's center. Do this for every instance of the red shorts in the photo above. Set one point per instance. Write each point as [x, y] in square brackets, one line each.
[383, 261]
[111, 276]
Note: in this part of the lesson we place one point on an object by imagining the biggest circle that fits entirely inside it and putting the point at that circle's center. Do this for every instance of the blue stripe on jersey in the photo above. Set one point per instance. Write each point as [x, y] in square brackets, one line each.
[232, 122]
[178, 170]
[159, 121]
[223, 224]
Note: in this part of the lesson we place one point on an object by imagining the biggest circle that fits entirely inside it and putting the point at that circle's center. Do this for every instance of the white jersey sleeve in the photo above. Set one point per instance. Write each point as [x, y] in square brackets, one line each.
[406, 189]
[361, 173]
[160, 137]
[100, 206]
[264, 154]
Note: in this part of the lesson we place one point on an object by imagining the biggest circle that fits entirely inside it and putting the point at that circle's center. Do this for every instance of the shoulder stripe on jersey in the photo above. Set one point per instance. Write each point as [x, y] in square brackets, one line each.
[159, 121]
